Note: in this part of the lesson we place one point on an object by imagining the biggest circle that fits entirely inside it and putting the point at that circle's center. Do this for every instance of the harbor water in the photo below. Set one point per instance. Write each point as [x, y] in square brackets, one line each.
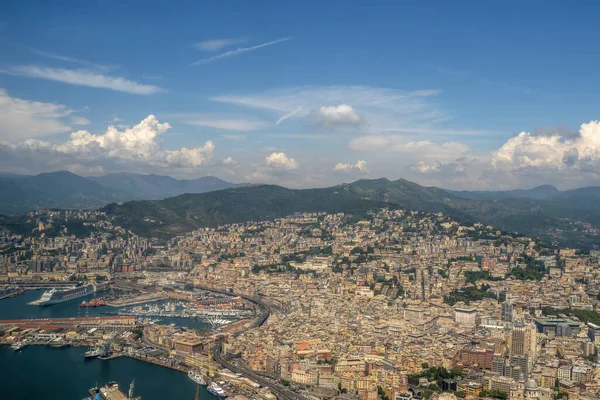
[17, 308]
[38, 372]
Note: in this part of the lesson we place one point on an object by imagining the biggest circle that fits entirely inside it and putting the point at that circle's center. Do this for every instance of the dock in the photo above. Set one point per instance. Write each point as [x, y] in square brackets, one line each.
[157, 362]
[111, 391]
[147, 298]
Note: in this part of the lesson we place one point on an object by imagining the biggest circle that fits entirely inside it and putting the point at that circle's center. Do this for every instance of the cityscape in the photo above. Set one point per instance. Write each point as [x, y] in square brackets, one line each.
[396, 303]
[299, 200]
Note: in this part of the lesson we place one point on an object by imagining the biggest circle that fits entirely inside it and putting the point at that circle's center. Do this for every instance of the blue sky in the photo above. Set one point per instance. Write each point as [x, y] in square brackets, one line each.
[304, 93]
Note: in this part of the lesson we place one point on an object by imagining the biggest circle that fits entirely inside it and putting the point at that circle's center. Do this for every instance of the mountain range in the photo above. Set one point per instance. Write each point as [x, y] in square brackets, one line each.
[163, 206]
[569, 219]
[20, 194]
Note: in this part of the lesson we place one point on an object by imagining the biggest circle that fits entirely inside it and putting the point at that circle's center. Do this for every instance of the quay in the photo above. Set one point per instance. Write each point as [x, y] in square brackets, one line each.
[119, 320]
[146, 298]
[156, 362]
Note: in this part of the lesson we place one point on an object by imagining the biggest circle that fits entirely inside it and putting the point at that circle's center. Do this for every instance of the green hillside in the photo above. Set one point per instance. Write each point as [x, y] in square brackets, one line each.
[187, 212]
[561, 221]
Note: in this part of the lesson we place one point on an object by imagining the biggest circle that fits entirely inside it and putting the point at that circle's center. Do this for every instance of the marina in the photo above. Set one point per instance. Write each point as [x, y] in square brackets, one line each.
[18, 308]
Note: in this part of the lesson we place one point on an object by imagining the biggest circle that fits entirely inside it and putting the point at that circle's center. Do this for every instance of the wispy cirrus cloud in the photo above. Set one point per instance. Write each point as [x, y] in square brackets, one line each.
[238, 51]
[82, 77]
[71, 60]
[230, 124]
[80, 121]
[371, 109]
[216, 44]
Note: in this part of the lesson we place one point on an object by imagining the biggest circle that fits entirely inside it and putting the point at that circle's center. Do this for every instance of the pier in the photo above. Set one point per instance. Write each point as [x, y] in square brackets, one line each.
[145, 298]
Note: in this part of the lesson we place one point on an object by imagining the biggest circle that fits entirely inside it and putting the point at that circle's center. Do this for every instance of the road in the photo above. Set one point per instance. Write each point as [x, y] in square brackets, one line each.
[265, 310]
[278, 390]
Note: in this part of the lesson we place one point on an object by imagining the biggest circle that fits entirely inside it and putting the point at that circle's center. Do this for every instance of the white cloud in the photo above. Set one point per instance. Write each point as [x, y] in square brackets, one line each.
[238, 51]
[229, 161]
[401, 143]
[82, 77]
[386, 110]
[80, 121]
[230, 124]
[234, 136]
[360, 166]
[426, 92]
[216, 44]
[21, 119]
[281, 161]
[71, 60]
[288, 115]
[334, 116]
[557, 152]
[138, 145]
[561, 158]
[425, 168]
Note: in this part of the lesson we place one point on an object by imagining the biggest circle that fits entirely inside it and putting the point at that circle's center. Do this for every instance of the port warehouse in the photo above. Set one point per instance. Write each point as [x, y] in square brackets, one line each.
[55, 328]
[99, 321]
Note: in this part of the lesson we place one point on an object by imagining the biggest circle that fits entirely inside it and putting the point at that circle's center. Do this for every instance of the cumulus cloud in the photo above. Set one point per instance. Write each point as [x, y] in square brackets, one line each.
[83, 77]
[360, 166]
[562, 158]
[216, 44]
[138, 145]
[552, 151]
[21, 119]
[229, 161]
[281, 161]
[342, 115]
[425, 168]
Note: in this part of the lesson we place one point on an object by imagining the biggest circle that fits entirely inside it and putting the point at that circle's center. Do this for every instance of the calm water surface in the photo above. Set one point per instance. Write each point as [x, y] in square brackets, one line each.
[16, 307]
[38, 372]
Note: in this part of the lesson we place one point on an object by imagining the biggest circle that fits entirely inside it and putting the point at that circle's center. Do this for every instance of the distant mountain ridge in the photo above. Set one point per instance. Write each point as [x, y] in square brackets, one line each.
[568, 218]
[560, 220]
[149, 187]
[539, 192]
[20, 194]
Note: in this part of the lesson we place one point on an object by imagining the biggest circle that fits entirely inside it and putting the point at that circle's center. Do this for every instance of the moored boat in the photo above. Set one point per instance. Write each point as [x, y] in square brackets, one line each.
[196, 377]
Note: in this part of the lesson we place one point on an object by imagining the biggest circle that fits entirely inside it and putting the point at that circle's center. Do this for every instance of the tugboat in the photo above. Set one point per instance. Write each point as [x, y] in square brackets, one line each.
[99, 302]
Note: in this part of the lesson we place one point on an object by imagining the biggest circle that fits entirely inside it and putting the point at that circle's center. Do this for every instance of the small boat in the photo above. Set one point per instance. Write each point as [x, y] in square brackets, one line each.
[92, 353]
[196, 377]
[83, 304]
[215, 389]
[18, 346]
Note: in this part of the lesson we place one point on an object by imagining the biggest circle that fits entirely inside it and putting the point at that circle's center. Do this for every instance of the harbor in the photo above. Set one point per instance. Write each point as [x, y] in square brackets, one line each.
[65, 374]
[17, 308]
[81, 325]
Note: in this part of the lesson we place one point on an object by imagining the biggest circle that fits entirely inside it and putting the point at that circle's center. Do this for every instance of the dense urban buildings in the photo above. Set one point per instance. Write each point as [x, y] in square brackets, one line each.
[392, 304]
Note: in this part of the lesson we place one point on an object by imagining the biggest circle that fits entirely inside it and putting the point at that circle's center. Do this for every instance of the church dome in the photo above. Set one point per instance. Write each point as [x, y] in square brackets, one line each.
[531, 384]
